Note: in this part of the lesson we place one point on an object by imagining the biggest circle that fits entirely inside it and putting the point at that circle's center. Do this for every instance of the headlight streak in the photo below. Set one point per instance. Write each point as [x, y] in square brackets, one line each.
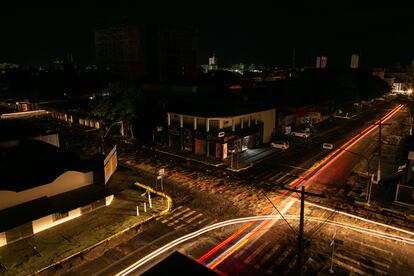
[188, 237]
[301, 181]
[224, 255]
[361, 218]
[374, 233]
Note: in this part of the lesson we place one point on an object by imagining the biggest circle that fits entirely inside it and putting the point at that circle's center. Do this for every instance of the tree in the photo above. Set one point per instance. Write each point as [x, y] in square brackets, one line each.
[120, 102]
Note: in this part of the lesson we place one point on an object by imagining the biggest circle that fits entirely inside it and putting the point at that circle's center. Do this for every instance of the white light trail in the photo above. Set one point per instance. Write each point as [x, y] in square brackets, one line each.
[165, 248]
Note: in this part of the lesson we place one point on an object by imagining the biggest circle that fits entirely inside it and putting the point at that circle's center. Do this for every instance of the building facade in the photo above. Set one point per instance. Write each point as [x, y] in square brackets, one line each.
[42, 185]
[121, 49]
[154, 53]
[219, 136]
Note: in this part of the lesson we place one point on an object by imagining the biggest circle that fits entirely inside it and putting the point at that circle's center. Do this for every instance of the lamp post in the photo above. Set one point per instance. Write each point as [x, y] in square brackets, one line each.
[103, 136]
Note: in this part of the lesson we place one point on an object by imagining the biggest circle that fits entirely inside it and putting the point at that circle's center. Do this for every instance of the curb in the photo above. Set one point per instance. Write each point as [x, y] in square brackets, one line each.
[140, 185]
[169, 199]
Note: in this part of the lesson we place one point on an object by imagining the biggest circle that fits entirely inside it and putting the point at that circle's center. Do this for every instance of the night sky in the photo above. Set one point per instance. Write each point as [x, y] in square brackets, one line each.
[259, 32]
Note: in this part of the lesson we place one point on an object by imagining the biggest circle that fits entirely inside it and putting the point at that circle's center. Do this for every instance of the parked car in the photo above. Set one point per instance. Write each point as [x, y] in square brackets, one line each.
[280, 145]
[301, 133]
[327, 146]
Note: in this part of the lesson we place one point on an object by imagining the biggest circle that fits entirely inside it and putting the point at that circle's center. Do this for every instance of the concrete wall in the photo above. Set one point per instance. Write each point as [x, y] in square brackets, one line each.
[68, 181]
[268, 118]
[3, 240]
[108, 200]
[47, 222]
[52, 139]
[51, 221]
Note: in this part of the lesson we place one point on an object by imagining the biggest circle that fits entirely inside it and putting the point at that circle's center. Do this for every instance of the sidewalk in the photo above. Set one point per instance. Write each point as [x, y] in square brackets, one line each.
[80, 235]
[209, 161]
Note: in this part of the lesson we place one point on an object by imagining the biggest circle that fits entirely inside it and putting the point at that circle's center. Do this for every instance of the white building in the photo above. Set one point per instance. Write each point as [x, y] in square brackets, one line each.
[42, 185]
[219, 135]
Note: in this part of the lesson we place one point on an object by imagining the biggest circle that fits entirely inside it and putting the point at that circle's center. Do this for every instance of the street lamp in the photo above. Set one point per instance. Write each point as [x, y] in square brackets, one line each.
[103, 136]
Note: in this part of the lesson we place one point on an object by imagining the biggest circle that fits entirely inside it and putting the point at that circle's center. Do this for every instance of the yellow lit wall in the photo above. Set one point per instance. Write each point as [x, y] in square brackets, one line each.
[47, 222]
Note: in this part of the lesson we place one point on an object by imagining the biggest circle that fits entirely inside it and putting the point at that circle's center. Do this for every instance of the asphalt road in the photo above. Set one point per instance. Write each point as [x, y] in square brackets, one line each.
[192, 212]
[332, 176]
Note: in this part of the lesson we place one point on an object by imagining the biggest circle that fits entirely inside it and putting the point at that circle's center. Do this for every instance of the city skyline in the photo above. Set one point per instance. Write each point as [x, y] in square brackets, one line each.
[264, 33]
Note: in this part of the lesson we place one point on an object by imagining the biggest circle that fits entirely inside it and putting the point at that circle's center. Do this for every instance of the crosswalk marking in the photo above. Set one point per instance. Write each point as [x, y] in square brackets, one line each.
[289, 179]
[245, 249]
[194, 218]
[283, 177]
[376, 248]
[176, 209]
[269, 254]
[275, 176]
[349, 267]
[256, 252]
[175, 215]
[361, 264]
[181, 218]
[200, 222]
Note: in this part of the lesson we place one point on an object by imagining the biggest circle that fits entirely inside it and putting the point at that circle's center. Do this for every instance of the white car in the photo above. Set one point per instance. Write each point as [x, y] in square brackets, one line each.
[280, 145]
[327, 146]
[304, 134]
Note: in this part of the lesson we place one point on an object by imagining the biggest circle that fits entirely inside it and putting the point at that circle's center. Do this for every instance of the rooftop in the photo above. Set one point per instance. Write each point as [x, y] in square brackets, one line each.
[33, 163]
[15, 129]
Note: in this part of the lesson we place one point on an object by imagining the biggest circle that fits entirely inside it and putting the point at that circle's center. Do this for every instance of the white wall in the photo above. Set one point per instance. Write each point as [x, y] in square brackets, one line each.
[268, 118]
[68, 181]
[108, 200]
[3, 240]
[47, 222]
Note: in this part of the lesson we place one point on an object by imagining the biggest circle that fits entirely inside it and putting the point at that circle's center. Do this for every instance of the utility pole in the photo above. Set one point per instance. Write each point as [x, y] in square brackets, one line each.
[301, 228]
[379, 149]
[380, 124]
[301, 243]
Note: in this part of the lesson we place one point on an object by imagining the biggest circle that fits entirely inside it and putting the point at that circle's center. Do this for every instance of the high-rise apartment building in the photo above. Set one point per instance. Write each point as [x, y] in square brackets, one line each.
[121, 49]
[154, 53]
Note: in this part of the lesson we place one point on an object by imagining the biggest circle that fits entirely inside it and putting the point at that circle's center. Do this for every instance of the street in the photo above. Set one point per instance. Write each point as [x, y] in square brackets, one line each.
[194, 190]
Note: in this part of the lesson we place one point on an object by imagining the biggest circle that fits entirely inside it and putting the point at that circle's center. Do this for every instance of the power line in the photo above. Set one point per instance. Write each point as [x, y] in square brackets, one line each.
[274, 206]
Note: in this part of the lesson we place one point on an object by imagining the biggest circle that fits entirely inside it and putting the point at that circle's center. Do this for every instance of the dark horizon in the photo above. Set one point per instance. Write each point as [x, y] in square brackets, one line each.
[263, 34]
